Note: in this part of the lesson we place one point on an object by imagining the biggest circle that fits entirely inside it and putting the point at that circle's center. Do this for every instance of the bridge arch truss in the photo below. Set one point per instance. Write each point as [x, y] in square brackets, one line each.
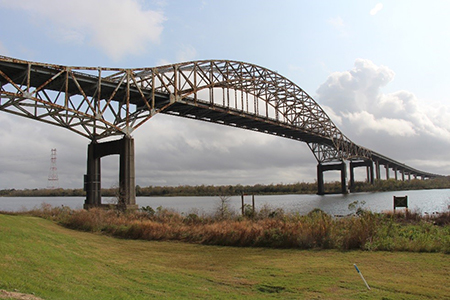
[98, 102]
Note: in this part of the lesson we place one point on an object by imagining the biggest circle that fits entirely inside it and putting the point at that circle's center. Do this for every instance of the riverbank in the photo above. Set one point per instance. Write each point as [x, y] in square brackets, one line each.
[229, 190]
[265, 227]
[423, 201]
[52, 262]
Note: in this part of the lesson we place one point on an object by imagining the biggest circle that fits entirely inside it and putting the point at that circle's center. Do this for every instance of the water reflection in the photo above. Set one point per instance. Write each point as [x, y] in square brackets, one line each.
[423, 201]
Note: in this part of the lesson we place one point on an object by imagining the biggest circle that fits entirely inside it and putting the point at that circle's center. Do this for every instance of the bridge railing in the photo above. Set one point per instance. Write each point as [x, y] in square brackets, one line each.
[121, 100]
[99, 102]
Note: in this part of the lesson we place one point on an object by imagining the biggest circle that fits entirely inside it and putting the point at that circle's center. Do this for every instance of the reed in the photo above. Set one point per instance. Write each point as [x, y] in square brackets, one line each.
[274, 228]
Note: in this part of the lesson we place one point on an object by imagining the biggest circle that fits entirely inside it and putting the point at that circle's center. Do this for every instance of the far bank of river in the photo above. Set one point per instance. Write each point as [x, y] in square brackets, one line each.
[423, 201]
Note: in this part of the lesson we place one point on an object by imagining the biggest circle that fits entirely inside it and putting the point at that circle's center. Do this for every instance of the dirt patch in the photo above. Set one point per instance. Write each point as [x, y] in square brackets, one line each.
[15, 295]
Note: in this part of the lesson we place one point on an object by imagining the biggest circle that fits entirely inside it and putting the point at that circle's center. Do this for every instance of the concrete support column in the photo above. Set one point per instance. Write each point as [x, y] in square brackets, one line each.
[395, 173]
[369, 166]
[320, 186]
[127, 186]
[352, 176]
[403, 175]
[342, 166]
[368, 174]
[371, 178]
[127, 181]
[387, 171]
[344, 178]
[377, 169]
[92, 180]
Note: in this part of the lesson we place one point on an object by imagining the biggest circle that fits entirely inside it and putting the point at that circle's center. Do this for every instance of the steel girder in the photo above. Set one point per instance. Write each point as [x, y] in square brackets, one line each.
[255, 93]
[101, 102]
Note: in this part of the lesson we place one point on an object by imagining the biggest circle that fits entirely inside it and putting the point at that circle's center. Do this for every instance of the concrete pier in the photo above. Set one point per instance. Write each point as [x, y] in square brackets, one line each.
[92, 180]
[370, 172]
[340, 166]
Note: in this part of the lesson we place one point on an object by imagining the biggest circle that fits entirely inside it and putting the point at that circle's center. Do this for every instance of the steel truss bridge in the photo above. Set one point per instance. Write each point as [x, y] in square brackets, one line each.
[98, 102]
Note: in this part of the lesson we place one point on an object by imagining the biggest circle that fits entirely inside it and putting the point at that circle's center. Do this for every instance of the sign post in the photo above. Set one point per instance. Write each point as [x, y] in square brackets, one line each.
[400, 202]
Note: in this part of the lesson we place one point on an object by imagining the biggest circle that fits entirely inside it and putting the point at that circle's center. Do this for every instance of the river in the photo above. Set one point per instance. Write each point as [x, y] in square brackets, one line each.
[423, 201]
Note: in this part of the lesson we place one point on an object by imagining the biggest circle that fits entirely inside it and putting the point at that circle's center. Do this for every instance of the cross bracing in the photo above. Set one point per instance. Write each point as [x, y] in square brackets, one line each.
[98, 102]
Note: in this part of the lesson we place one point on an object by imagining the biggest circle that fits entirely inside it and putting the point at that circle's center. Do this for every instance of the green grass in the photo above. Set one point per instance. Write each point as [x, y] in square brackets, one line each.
[37, 256]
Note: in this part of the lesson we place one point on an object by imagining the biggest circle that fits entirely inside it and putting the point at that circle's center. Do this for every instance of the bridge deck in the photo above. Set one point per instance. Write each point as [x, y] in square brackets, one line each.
[55, 78]
[202, 110]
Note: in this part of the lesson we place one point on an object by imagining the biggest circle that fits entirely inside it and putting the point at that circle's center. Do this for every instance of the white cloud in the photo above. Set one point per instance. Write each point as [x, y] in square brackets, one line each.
[117, 27]
[356, 88]
[396, 122]
[186, 53]
[376, 9]
[169, 151]
[295, 68]
[22, 168]
[3, 50]
[163, 62]
[179, 151]
[336, 118]
[70, 36]
[160, 3]
[204, 4]
[339, 25]
[368, 122]
[336, 22]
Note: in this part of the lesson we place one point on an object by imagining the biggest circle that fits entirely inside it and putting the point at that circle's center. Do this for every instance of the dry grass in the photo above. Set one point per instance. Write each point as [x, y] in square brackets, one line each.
[52, 262]
[404, 231]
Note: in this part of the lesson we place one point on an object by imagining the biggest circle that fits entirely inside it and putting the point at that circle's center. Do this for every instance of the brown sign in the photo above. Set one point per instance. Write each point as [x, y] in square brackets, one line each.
[400, 202]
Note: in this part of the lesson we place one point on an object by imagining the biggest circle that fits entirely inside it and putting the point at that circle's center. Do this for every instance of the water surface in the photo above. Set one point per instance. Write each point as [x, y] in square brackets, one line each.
[423, 201]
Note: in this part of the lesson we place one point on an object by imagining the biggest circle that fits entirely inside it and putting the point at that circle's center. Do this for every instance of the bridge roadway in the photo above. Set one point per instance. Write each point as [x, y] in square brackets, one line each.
[22, 84]
[201, 110]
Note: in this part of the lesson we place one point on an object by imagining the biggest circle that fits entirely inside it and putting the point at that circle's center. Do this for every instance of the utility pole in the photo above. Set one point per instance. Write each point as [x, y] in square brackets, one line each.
[53, 182]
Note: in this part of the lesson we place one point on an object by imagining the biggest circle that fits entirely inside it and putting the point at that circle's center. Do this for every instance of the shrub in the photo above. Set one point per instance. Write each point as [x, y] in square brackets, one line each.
[223, 210]
[318, 232]
[268, 212]
[356, 231]
[441, 219]
[268, 227]
[148, 210]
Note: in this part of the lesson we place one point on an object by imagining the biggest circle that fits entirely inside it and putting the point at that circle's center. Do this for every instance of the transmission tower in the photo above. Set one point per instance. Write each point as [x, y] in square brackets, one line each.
[53, 174]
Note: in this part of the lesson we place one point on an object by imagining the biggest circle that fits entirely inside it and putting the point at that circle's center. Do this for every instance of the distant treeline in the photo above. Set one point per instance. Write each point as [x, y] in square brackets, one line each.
[229, 190]
[397, 185]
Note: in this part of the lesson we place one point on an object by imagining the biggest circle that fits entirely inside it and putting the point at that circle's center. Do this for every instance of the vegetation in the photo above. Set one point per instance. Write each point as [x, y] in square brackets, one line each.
[267, 227]
[42, 193]
[258, 189]
[397, 185]
[38, 257]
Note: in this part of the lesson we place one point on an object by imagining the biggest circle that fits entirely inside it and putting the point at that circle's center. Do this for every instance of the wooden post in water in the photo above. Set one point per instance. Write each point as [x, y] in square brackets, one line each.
[243, 204]
[253, 203]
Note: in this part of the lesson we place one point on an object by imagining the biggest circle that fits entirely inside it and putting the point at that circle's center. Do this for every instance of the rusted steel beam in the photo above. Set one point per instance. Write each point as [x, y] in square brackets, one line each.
[221, 91]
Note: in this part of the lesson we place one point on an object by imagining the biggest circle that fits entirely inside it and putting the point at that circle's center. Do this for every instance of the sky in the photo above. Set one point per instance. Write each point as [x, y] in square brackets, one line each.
[380, 70]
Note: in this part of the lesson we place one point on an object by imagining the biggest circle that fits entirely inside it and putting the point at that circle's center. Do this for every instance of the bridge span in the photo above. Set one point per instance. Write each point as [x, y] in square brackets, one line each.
[99, 103]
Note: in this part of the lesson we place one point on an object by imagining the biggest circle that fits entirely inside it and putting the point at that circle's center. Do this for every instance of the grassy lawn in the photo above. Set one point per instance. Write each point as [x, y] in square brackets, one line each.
[40, 257]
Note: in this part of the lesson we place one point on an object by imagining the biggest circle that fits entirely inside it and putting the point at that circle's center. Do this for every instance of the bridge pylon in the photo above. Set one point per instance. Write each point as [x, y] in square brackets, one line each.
[335, 166]
[369, 169]
[126, 198]
[100, 102]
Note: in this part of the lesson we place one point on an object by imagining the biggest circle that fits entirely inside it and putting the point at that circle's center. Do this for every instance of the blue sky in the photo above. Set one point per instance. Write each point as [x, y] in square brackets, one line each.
[379, 69]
